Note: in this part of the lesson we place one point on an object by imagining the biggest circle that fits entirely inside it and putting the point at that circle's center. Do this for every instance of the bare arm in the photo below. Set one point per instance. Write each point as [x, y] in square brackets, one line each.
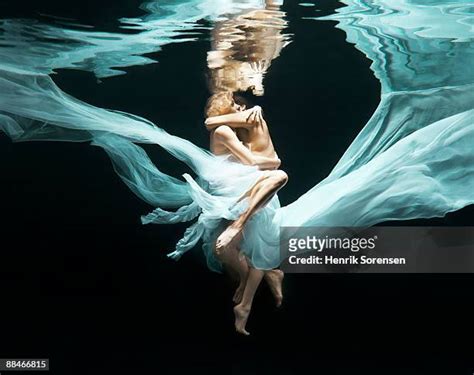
[244, 119]
[241, 153]
[265, 163]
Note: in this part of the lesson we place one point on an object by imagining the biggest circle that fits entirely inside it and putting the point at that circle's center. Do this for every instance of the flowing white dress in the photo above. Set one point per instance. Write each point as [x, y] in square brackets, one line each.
[413, 159]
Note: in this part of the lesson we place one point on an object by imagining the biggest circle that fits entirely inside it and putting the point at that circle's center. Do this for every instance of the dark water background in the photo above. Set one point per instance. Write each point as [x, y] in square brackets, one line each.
[83, 283]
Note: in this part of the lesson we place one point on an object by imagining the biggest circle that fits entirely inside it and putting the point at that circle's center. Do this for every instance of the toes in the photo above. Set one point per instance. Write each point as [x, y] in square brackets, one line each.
[244, 332]
[279, 301]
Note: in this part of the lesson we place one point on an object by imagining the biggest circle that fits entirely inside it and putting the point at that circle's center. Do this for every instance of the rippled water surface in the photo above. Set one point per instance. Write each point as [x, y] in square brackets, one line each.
[165, 56]
[340, 83]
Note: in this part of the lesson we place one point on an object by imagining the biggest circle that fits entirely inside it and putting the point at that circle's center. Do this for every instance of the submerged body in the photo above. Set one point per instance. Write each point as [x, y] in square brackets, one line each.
[248, 129]
[244, 136]
[413, 159]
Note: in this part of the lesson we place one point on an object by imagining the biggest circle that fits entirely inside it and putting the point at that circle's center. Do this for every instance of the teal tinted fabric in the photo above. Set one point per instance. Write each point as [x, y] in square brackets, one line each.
[413, 159]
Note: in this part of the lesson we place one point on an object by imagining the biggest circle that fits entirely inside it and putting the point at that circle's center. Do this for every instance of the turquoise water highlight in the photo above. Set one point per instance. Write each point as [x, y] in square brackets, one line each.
[412, 160]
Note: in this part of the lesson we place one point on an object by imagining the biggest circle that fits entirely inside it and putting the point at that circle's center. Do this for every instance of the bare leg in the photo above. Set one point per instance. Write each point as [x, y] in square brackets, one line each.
[259, 195]
[242, 310]
[237, 266]
[274, 279]
[243, 274]
[239, 269]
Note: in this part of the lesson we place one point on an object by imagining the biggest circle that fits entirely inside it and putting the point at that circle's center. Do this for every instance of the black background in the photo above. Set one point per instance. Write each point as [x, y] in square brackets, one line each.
[84, 284]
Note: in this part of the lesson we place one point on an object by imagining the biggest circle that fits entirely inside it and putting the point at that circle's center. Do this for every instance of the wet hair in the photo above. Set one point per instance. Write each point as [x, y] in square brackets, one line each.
[222, 103]
[219, 104]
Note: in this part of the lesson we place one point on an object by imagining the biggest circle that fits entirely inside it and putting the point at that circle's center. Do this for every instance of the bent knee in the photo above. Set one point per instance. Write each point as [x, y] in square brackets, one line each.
[280, 177]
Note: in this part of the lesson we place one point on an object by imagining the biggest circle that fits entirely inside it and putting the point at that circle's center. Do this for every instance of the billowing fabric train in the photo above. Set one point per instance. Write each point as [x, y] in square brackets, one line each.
[413, 159]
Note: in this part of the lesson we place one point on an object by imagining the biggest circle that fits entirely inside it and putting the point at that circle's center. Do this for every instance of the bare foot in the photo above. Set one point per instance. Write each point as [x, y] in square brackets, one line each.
[227, 236]
[241, 315]
[274, 279]
[239, 292]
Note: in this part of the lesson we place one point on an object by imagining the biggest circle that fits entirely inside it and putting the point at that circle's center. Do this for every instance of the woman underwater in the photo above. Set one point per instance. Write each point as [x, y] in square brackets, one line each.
[243, 48]
[244, 136]
[413, 159]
